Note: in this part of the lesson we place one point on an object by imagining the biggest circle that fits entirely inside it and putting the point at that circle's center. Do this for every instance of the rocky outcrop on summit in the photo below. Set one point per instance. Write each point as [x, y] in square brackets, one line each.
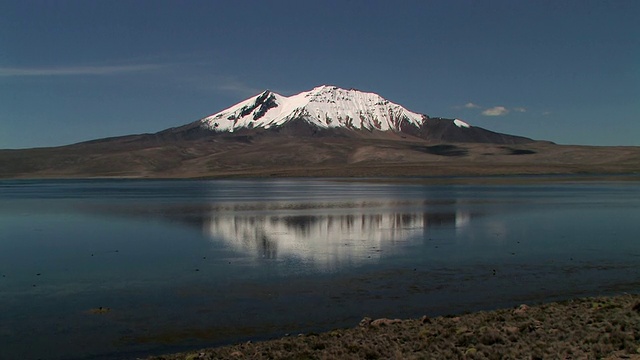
[264, 102]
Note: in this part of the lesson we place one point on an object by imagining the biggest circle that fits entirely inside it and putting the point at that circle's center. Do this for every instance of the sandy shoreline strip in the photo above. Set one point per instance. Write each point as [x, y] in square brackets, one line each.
[587, 328]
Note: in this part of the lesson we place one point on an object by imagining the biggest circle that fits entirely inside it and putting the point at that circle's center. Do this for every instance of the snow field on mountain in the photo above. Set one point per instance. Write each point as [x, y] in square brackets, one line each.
[461, 124]
[324, 106]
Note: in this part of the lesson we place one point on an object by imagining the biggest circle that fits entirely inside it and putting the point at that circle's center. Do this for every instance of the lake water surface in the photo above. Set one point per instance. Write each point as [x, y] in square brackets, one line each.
[181, 264]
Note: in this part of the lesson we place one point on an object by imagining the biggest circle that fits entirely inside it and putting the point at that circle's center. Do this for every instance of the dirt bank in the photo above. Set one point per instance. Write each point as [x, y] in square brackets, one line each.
[589, 328]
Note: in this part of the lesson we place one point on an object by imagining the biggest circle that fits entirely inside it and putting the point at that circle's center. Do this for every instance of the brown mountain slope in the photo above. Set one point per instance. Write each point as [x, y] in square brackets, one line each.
[291, 154]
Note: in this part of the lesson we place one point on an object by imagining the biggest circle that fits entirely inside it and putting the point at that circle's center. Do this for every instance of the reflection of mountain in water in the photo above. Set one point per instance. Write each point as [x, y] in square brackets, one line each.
[327, 240]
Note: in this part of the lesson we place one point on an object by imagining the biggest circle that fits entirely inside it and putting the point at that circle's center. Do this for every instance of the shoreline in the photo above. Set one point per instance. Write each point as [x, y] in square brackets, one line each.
[583, 328]
[497, 179]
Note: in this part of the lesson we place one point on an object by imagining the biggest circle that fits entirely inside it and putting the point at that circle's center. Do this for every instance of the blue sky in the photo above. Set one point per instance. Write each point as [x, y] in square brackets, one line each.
[565, 71]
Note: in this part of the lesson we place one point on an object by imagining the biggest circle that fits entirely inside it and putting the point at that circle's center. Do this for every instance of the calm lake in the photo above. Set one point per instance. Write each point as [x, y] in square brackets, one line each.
[112, 269]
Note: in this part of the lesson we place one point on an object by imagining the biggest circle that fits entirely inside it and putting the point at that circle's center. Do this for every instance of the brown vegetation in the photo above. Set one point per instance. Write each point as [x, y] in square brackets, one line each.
[145, 156]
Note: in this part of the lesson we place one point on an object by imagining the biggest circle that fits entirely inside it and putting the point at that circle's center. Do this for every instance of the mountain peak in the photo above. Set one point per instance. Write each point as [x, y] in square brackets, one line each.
[324, 106]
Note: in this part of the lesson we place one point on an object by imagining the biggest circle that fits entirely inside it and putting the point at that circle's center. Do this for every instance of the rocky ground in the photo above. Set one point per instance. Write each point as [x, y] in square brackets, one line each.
[589, 328]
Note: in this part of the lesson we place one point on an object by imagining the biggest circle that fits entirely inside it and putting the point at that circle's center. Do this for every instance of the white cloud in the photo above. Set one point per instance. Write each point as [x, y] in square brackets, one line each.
[471, 105]
[76, 70]
[496, 111]
[520, 109]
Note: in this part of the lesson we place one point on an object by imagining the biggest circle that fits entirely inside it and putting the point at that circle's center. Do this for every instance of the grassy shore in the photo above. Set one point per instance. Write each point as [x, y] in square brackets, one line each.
[589, 328]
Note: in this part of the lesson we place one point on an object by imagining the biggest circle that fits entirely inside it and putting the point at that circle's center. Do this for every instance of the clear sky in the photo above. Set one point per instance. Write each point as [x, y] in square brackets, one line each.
[565, 71]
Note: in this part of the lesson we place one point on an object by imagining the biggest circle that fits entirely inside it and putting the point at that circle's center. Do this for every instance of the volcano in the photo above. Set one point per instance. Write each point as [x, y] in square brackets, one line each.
[333, 111]
[327, 131]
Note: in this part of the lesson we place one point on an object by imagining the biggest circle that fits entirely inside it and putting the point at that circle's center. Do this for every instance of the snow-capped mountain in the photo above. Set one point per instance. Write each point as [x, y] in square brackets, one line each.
[327, 131]
[332, 111]
[329, 111]
[324, 106]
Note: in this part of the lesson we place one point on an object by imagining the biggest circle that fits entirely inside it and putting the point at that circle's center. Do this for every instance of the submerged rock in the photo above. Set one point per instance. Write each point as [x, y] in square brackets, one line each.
[99, 310]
